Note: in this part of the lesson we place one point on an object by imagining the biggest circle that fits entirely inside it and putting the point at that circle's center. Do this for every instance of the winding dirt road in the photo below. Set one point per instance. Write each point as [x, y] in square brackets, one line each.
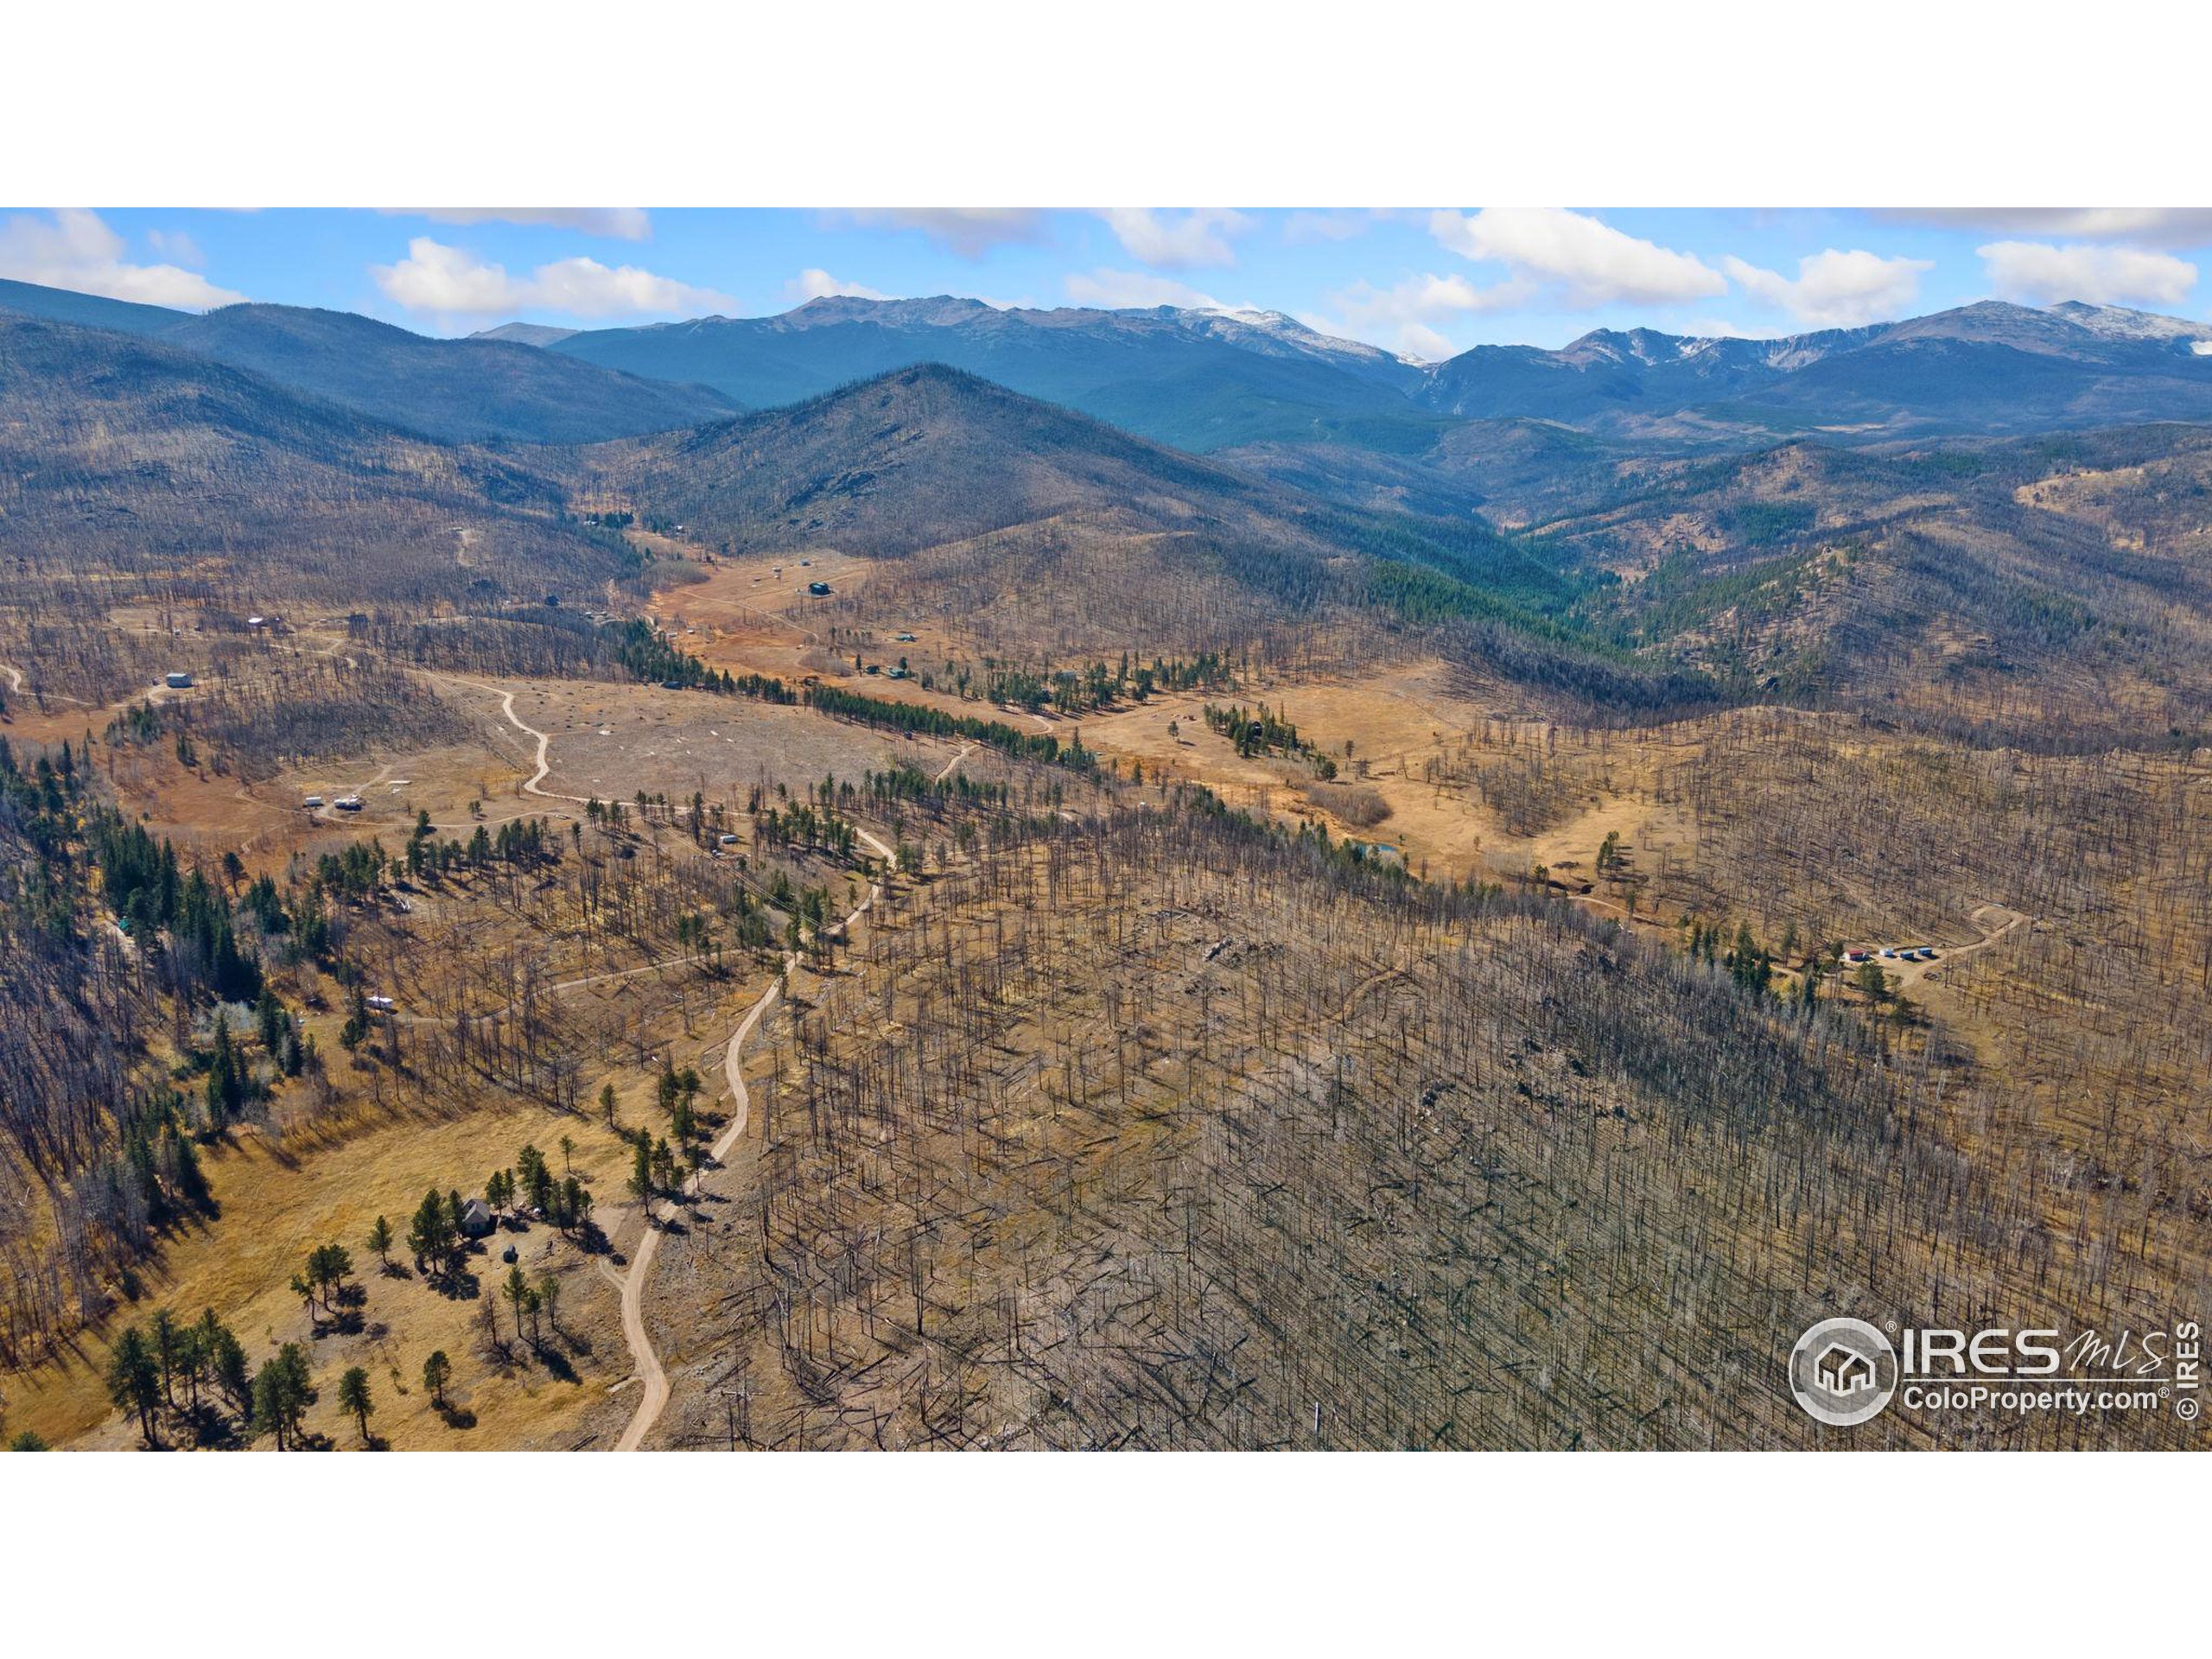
[648, 1365]
[953, 765]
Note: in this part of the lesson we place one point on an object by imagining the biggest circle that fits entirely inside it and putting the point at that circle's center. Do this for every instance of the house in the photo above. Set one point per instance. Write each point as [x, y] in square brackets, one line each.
[312, 802]
[726, 840]
[177, 681]
[475, 1220]
[1844, 1370]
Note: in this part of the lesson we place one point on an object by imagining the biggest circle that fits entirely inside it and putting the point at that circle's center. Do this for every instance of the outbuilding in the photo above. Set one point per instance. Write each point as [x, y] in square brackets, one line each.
[177, 681]
[475, 1219]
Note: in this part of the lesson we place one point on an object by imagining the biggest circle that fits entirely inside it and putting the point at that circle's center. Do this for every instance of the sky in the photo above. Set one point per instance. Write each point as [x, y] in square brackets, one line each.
[1424, 283]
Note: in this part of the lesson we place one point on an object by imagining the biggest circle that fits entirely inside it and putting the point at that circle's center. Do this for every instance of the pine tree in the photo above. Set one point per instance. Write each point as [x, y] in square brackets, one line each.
[228, 1365]
[134, 1380]
[437, 1371]
[167, 1345]
[353, 1395]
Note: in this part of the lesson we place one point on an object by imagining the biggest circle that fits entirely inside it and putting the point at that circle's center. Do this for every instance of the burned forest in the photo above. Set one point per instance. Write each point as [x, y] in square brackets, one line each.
[906, 914]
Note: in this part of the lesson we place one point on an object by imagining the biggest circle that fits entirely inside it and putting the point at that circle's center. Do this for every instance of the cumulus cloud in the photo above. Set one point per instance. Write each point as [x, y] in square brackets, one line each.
[1119, 291]
[1403, 317]
[1178, 241]
[447, 282]
[969, 232]
[814, 284]
[2157, 227]
[1833, 290]
[630, 223]
[74, 249]
[2041, 272]
[1574, 259]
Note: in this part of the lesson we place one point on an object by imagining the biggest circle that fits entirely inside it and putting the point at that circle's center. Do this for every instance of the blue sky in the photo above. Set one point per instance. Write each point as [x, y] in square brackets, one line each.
[1426, 283]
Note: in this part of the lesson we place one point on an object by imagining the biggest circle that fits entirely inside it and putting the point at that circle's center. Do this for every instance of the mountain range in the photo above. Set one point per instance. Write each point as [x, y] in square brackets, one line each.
[455, 391]
[1821, 568]
[1210, 380]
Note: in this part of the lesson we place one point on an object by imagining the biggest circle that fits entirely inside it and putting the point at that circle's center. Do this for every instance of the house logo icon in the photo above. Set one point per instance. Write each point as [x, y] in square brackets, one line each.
[1843, 1372]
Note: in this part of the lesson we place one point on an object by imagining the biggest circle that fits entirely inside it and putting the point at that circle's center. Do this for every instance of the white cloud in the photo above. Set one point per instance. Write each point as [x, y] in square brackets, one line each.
[1833, 290]
[2158, 227]
[1402, 318]
[448, 283]
[1175, 242]
[1574, 259]
[2040, 273]
[1119, 291]
[630, 223]
[818, 284]
[969, 232]
[177, 245]
[74, 249]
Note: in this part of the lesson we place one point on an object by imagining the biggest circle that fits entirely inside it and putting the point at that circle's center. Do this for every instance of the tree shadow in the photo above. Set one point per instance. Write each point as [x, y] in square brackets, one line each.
[456, 1284]
[210, 1429]
[457, 1417]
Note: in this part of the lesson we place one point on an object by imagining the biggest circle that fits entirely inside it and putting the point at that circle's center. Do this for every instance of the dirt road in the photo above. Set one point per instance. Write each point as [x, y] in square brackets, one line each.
[1995, 922]
[655, 1395]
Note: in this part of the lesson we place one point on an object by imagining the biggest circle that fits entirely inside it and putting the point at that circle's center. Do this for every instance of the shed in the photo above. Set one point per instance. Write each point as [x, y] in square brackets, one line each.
[475, 1220]
[177, 681]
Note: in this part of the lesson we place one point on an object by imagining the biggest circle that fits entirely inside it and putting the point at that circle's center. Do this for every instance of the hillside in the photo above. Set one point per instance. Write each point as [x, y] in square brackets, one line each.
[130, 455]
[1043, 530]
[2041, 590]
[461, 390]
